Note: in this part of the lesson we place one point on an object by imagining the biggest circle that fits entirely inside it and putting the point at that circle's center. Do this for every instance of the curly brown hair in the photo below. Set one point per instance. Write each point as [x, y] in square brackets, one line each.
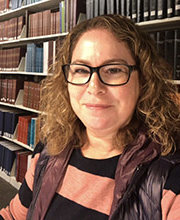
[157, 107]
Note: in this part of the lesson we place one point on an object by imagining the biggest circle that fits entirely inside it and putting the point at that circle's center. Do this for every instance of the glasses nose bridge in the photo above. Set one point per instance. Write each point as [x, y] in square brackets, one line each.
[95, 69]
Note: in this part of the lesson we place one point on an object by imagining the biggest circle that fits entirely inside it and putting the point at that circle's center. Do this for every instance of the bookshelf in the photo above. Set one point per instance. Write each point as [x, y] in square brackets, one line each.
[160, 24]
[23, 40]
[31, 8]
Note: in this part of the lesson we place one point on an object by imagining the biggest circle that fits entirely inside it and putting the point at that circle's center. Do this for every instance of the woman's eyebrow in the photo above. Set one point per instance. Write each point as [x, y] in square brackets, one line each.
[108, 61]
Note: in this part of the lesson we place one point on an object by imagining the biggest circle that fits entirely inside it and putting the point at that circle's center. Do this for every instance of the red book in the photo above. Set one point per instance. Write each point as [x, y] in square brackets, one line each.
[7, 4]
[9, 92]
[20, 129]
[17, 84]
[4, 90]
[26, 93]
[22, 163]
[23, 128]
[46, 15]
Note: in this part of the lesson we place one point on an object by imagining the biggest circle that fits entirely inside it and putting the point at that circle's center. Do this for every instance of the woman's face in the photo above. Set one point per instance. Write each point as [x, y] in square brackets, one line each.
[101, 108]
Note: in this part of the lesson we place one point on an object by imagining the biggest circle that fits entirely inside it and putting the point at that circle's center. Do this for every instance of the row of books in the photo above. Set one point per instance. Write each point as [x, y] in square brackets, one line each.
[9, 121]
[138, 10]
[168, 44]
[10, 58]
[6, 5]
[39, 57]
[44, 23]
[14, 160]
[18, 125]
[9, 89]
[11, 29]
[33, 58]
[28, 130]
[56, 21]
[31, 95]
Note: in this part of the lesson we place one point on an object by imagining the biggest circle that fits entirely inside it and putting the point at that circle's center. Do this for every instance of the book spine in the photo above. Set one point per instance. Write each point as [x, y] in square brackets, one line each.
[177, 55]
[177, 7]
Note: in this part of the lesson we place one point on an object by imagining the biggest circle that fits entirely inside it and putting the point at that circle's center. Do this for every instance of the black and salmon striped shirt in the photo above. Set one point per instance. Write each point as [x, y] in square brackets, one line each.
[87, 192]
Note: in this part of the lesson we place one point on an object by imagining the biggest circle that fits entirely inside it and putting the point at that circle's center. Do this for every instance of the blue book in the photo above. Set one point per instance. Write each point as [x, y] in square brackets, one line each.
[9, 155]
[32, 133]
[20, 3]
[33, 57]
[1, 156]
[2, 114]
[11, 121]
[7, 124]
[39, 59]
[15, 4]
[30, 58]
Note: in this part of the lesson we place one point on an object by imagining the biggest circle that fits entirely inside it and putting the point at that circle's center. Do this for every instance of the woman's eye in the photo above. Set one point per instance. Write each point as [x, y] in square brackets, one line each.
[114, 70]
[83, 71]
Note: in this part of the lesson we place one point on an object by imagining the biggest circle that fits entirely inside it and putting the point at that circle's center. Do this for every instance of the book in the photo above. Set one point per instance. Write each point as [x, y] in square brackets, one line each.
[139, 11]
[177, 7]
[38, 58]
[161, 42]
[170, 8]
[23, 128]
[153, 9]
[2, 114]
[17, 84]
[26, 93]
[129, 8]
[31, 57]
[10, 122]
[22, 164]
[9, 155]
[4, 87]
[62, 16]
[146, 10]
[123, 12]
[101, 7]
[176, 75]
[169, 46]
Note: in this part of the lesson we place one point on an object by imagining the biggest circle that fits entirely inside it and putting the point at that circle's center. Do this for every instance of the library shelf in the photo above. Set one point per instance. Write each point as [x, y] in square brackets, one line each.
[160, 24]
[13, 140]
[24, 73]
[177, 82]
[20, 107]
[24, 41]
[10, 179]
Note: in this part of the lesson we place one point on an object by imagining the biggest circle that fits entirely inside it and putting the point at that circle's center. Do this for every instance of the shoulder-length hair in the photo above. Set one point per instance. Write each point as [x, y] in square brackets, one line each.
[157, 107]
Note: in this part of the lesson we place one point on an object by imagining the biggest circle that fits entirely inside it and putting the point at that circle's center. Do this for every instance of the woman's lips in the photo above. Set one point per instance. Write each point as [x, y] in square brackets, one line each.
[97, 106]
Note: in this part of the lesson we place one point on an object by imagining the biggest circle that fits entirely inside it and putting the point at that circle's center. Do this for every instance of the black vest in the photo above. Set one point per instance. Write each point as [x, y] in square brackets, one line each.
[142, 200]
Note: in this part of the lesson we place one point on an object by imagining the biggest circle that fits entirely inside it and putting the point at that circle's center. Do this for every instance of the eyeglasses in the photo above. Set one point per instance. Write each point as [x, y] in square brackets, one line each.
[109, 74]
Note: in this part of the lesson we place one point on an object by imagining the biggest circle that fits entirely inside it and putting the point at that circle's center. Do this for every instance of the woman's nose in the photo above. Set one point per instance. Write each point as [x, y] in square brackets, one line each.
[95, 86]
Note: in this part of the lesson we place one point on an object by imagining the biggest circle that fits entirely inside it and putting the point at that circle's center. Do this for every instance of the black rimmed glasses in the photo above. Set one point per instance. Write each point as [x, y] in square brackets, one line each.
[109, 74]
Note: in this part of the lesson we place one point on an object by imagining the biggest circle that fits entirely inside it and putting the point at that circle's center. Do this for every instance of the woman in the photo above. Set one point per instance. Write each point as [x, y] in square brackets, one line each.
[111, 130]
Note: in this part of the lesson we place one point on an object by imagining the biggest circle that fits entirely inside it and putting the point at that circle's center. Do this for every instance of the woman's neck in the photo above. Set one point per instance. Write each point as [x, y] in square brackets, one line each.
[99, 146]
